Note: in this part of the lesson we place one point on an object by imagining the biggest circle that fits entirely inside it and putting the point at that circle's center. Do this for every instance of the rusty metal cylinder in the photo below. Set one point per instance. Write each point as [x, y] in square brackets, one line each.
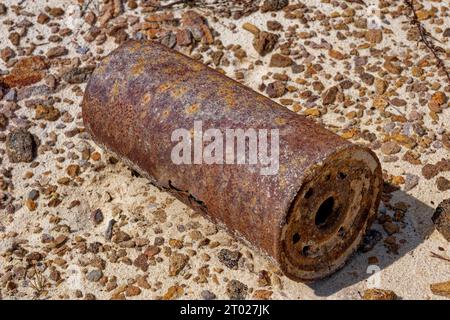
[308, 215]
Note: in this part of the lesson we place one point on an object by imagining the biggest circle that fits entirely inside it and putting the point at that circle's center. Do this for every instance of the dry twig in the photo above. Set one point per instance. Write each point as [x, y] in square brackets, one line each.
[427, 39]
[435, 255]
[38, 283]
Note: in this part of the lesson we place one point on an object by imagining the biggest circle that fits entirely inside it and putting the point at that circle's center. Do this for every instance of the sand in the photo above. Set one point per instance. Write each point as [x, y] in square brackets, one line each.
[145, 213]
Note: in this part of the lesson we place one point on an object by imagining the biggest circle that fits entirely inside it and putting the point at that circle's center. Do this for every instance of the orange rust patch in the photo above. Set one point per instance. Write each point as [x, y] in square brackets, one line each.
[134, 47]
[178, 92]
[163, 87]
[228, 95]
[280, 121]
[147, 98]
[193, 108]
[165, 114]
[196, 67]
[115, 90]
[138, 68]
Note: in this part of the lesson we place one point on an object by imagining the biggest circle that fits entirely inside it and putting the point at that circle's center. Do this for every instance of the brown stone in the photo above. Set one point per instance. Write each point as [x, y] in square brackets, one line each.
[184, 37]
[236, 290]
[14, 37]
[276, 89]
[374, 36]
[330, 95]
[132, 291]
[152, 251]
[25, 72]
[173, 292]
[380, 86]
[391, 65]
[264, 42]
[379, 294]
[442, 184]
[7, 53]
[438, 99]
[441, 289]
[20, 146]
[390, 147]
[42, 18]
[335, 54]
[177, 262]
[56, 12]
[273, 5]
[49, 113]
[280, 61]
[56, 52]
[251, 28]
[217, 56]
[141, 262]
[441, 218]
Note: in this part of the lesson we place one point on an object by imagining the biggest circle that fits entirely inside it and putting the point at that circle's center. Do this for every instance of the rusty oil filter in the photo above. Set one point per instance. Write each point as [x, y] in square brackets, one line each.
[308, 217]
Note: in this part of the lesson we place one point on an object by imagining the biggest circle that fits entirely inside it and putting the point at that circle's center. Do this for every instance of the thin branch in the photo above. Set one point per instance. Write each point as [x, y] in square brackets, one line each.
[427, 39]
[435, 255]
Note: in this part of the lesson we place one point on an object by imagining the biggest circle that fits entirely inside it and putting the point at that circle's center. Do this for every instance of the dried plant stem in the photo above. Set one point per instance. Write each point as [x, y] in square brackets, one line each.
[435, 255]
[427, 39]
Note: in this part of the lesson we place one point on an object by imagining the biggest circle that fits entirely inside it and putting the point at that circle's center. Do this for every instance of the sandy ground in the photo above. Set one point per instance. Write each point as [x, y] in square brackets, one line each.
[73, 248]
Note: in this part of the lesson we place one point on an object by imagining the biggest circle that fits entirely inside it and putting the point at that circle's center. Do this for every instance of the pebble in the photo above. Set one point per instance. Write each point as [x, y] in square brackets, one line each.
[7, 53]
[20, 146]
[264, 43]
[441, 218]
[73, 170]
[330, 95]
[442, 184]
[56, 52]
[97, 216]
[33, 194]
[374, 36]
[236, 290]
[56, 12]
[207, 295]
[429, 170]
[411, 181]
[11, 95]
[46, 112]
[280, 61]
[229, 258]
[132, 291]
[3, 121]
[273, 5]
[276, 89]
[78, 75]
[141, 262]
[3, 9]
[390, 147]
[390, 227]
[441, 289]
[379, 294]
[177, 262]
[94, 275]
[26, 71]
[446, 33]
[371, 238]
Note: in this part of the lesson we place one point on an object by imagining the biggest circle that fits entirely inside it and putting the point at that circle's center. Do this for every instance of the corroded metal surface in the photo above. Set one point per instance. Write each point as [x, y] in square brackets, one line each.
[143, 91]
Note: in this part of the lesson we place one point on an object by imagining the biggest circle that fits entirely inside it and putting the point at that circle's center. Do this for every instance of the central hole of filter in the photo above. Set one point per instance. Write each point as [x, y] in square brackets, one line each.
[327, 214]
